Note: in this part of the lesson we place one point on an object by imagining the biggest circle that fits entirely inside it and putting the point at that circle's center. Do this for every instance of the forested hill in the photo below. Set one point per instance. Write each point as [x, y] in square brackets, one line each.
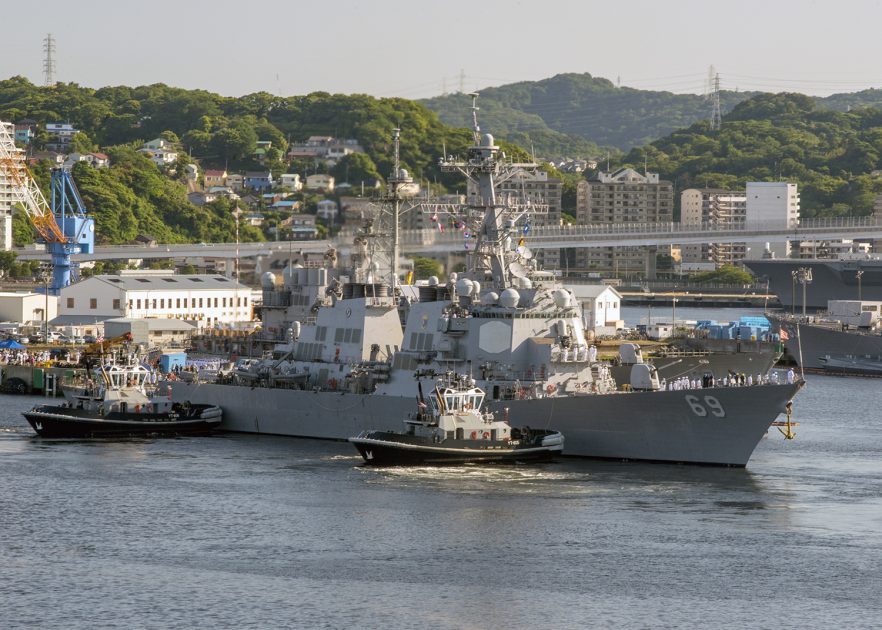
[584, 108]
[787, 137]
[133, 197]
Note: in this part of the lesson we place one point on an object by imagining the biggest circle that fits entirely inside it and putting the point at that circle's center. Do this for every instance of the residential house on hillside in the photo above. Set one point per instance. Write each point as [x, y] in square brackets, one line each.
[236, 181]
[289, 205]
[156, 144]
[259, 180]
[254, 219]
[214, 178]
[320, 182]
[200, 198]
[60, 136]
[327, 209]
[25, 130]
[95, 160]
[325, 148]
[291, 182]
[301, 227]
[161, 157]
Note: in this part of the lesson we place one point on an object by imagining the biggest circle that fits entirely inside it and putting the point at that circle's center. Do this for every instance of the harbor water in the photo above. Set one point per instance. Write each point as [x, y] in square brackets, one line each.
[258, 532]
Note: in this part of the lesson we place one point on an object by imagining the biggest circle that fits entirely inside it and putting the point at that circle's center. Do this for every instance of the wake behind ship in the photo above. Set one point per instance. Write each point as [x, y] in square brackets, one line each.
[348, 365]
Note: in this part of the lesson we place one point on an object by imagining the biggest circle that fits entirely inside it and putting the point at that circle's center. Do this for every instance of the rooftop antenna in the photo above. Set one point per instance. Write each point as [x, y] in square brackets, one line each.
[49, 60]
[476, 130]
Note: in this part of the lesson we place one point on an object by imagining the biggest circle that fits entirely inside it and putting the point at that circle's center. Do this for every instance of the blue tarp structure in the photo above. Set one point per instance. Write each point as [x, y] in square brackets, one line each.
[11, 344]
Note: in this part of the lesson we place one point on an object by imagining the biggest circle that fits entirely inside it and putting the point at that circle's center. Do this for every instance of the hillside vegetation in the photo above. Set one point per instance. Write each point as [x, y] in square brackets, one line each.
[787, 137]
[580, 108]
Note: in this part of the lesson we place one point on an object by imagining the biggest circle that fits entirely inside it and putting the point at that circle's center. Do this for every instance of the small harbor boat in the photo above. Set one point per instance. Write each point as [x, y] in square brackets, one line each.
[119, 405]
[451, 428]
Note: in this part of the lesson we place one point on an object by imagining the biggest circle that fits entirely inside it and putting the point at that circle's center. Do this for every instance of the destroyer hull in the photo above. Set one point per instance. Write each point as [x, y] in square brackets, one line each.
[831, 280]
[719, 426]
[719, 364]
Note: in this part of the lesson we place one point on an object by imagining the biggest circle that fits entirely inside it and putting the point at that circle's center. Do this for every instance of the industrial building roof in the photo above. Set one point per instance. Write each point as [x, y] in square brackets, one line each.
[172, 282]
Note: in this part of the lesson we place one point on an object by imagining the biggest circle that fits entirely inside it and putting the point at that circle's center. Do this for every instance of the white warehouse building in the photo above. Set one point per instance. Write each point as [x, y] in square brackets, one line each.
[206, 300]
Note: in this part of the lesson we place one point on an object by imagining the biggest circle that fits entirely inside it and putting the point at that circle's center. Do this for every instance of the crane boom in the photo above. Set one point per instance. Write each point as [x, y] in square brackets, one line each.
[25, 189]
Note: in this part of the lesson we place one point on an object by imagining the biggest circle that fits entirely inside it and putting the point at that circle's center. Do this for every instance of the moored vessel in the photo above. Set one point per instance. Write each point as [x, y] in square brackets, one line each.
[119, 404]
[349, 366]
[452, 428]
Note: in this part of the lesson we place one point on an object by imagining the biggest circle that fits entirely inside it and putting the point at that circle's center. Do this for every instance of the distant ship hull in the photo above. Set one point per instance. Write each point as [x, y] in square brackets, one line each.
[709, 426]
[814, 343]
[831, 280]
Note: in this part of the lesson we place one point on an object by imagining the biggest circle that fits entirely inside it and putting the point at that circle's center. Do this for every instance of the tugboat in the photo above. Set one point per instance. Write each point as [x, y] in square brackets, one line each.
[452, 429]
[120, 405]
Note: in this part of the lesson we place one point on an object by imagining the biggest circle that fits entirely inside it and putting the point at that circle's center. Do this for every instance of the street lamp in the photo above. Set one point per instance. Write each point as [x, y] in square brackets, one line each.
[673, 316]
[805, 278]
[858, 275]
[794, 275]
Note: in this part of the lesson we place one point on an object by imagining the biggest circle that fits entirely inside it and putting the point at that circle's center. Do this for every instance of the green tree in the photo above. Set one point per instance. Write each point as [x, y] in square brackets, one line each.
[424, 268]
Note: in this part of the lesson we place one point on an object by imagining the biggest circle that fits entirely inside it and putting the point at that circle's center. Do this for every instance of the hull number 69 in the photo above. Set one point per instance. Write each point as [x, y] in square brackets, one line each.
[709, 404]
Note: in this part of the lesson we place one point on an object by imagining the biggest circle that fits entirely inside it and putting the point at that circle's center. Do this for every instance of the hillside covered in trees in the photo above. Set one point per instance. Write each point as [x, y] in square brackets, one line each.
[788, 137]
[582, 110]
[133, 196]
[568, 113]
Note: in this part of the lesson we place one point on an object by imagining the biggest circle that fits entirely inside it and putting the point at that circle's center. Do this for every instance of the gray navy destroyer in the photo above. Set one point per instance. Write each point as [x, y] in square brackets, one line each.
[349, 364]
[847, 277]
[846, 339]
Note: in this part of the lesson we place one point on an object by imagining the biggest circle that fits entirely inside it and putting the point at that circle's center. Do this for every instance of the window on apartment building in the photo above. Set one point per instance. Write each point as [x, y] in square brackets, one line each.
[200, 302]
[215, 302]
[238, 301]
[130, 304]
[178, 303]
[245, 301]
[137, 303]
[224, 302]
[70, 302]
[116, 305]
[154, 302]
[93, 303]
[185, 302]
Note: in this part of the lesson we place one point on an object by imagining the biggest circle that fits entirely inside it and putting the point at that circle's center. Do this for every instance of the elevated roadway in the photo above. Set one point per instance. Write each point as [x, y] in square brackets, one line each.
[578, 236]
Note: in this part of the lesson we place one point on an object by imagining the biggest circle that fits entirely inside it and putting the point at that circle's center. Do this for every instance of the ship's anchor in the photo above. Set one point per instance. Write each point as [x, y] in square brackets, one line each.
[787, 431]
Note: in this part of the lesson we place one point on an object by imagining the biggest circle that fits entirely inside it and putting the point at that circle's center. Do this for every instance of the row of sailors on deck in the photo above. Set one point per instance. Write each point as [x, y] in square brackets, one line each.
[733, 379]
[578, 353]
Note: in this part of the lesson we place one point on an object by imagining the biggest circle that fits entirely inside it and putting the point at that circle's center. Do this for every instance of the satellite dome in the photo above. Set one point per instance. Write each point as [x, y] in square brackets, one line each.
[561, 298]
[464, 287]
[525, 283]
[487, 140]
[433, 281]
[453, 276]
[509, 298]
[403, 174]
[476, 288]
[268, 280]
[490, 298]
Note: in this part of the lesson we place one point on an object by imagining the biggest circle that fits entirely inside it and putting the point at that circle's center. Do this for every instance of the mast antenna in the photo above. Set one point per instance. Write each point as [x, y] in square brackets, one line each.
[476, 130]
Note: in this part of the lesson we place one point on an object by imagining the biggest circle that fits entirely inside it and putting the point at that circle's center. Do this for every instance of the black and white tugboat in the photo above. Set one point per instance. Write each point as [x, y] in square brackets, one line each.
[451, 428]
[119, 404]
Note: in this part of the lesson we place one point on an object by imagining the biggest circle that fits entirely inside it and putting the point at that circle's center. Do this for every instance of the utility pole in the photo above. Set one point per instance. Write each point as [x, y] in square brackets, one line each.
[49, 60]
[858, 275]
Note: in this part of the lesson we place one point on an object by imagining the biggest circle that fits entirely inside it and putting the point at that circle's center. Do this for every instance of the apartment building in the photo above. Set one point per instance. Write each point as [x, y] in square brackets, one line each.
[618, 198]
[713, 206]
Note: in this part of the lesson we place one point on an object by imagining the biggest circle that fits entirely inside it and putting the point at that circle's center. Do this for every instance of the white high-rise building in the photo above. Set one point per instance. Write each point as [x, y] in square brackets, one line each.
[7, 196]
[773, 204]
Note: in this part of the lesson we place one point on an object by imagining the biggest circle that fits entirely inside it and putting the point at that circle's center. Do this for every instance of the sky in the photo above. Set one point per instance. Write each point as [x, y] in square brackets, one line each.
[419, 49]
